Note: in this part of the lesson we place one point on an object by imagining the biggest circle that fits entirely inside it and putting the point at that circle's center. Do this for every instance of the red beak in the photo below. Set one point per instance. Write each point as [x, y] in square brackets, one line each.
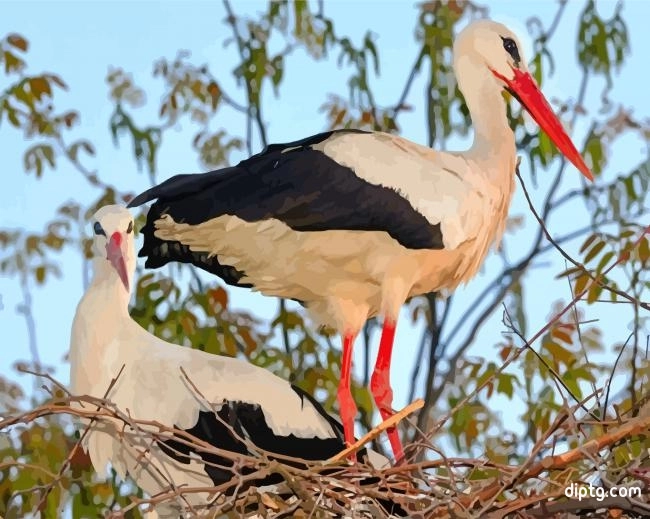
[115, 255]
[523, 87]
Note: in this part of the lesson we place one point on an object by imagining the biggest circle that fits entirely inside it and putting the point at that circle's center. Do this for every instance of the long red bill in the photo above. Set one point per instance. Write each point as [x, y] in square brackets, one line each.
[525, 90]
[115, 255]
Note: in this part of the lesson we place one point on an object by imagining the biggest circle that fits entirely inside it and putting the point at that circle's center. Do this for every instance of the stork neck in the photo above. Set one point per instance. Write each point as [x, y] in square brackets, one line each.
[107, 286]
[487, 108]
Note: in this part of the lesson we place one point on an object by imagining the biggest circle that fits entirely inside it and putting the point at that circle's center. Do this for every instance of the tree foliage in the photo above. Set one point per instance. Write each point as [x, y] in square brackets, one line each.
[559, 374]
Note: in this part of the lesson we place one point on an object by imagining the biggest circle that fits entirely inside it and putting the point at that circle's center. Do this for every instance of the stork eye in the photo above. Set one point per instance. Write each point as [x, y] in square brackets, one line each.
[511, 48]
[129, 229]
[98, 229]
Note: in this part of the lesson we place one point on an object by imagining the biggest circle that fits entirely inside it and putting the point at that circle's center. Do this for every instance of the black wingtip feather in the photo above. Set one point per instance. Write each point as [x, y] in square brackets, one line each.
[182, 185]
[188, 183]
[137, 201]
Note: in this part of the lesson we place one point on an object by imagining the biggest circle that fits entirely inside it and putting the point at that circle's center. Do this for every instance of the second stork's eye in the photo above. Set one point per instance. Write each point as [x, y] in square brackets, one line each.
[129, 229]
[99, 230]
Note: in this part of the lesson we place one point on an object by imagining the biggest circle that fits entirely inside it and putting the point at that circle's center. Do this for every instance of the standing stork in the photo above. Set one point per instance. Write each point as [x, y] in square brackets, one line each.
[353, 223]
[225, 402]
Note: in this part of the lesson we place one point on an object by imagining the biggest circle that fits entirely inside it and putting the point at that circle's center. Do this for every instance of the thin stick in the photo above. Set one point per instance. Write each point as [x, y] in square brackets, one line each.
[390, 422]
[75, 447]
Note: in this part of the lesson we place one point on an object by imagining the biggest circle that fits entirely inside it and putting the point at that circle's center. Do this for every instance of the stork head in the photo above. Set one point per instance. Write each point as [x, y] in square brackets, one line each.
[487, 46]
[113, 242]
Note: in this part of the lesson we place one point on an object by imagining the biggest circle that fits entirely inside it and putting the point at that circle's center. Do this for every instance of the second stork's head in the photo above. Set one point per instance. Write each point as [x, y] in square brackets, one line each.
[488, 55]
[113, 244]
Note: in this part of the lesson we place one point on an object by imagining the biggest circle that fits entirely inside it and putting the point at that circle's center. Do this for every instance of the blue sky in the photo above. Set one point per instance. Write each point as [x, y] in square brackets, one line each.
[81, 40]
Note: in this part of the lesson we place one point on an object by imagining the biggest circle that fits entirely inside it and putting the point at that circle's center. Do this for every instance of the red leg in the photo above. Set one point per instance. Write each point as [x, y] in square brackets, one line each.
[380, 384]
[348, 408]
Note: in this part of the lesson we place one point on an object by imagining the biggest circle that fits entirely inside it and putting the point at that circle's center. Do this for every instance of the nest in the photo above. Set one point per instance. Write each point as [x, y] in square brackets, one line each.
[580, 482]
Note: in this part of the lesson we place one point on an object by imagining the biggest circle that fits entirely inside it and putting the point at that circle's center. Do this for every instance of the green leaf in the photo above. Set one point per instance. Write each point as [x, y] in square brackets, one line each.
[73, 149]
[644, 250]
[505, 384]
[12, 62]
[594, 292]
[559, 353]
[581, 283]
[594, 251]
[48, 153]
[604, 260]
[595, 154]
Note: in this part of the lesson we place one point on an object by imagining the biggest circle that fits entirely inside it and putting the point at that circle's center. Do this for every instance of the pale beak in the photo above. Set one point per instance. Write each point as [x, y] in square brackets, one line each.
[115, 255]
[523, 87]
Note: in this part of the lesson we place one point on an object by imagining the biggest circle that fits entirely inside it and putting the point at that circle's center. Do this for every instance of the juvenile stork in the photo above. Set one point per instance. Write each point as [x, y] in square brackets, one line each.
[222, 401]
[353, 223]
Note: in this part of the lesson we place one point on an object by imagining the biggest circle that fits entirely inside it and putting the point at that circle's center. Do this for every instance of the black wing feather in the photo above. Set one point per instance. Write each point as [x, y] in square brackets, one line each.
[236, 421]
[293, 183]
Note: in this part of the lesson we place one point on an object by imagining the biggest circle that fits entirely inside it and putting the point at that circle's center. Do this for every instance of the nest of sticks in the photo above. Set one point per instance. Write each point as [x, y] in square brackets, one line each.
[425, 485]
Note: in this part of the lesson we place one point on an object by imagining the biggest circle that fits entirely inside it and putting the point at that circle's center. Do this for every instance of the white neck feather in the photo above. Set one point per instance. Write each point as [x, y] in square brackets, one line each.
[101, 315]
[107, 285]
[493, 138]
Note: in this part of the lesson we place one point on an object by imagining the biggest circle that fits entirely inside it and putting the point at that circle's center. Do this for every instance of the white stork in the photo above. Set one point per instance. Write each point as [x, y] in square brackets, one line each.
[353, 223]
[238, 403]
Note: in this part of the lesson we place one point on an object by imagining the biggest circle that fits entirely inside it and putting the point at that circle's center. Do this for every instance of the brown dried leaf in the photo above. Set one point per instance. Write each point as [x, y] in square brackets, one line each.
[561, 335]
[16, 40]
[40, 87]
[218, 297]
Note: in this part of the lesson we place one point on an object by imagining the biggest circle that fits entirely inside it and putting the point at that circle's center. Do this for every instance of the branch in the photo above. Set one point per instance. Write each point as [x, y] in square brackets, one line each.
[409, 82]
[562, 461]
[30, 323]
[583, 505]
[556, 20]
[434, 329]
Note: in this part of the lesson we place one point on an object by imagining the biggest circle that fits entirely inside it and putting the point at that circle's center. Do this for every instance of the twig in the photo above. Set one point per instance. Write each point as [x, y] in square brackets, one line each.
[76, 446]
[391, 421]
[557, 246]
[23, 369]
[593, 503]
[285, 332]
[555, 375]
[435, 328]
[611, 376]
[409, 82]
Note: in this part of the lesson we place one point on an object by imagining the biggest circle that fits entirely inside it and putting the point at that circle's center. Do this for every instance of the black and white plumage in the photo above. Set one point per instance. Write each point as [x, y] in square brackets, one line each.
[261, 408]
[354, 223]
